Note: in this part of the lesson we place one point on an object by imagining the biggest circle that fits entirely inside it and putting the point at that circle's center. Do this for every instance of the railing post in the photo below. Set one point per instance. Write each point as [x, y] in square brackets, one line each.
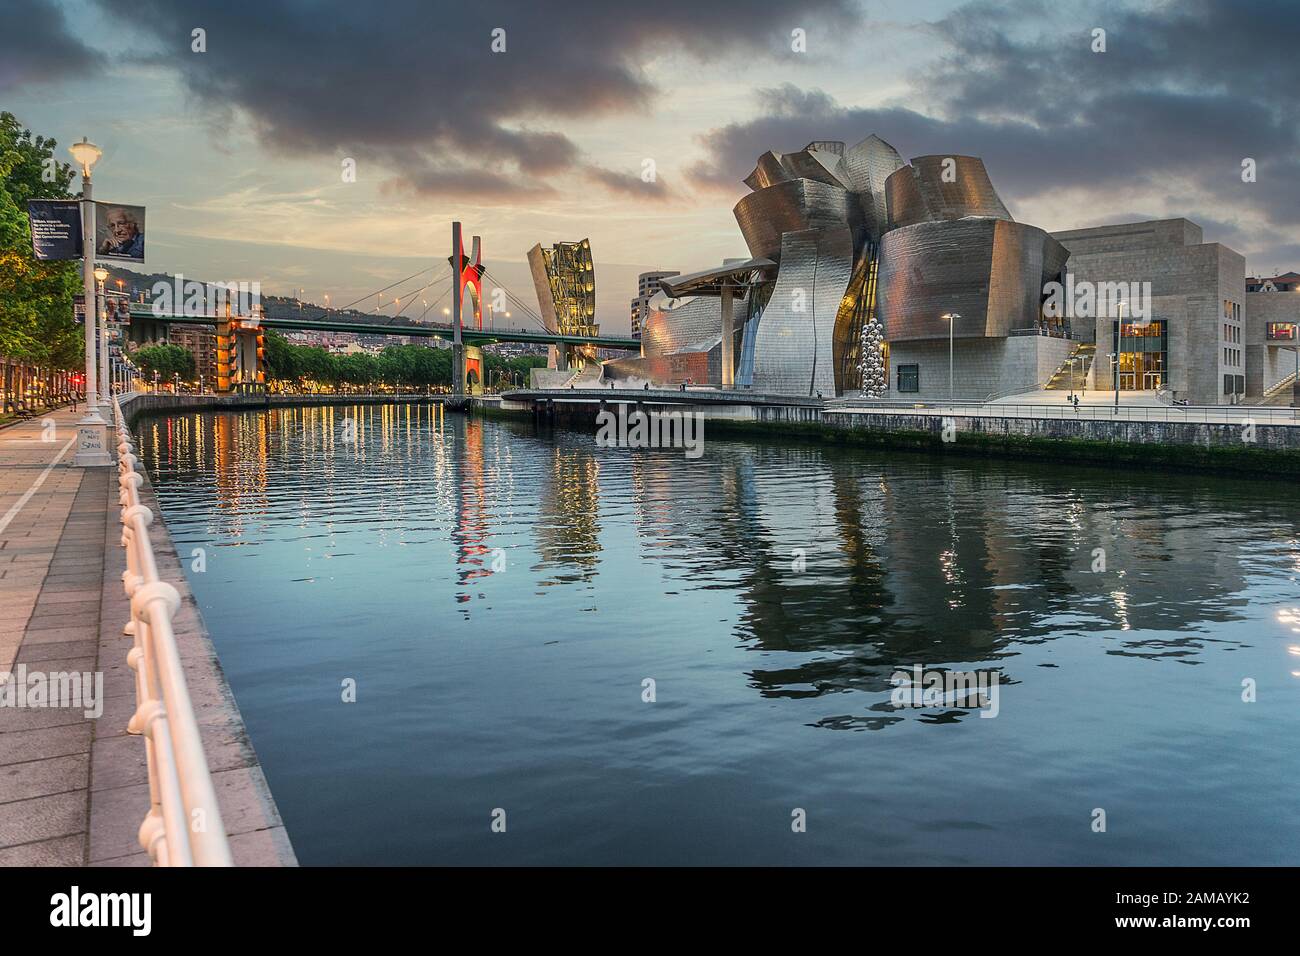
[180, 784]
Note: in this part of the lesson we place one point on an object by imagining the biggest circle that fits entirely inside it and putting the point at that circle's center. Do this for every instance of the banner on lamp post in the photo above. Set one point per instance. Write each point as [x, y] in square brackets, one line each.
[56, 228]
[119, 232]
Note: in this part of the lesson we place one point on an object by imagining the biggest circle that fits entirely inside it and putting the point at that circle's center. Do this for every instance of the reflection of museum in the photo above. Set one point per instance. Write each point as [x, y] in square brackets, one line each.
[841, 235]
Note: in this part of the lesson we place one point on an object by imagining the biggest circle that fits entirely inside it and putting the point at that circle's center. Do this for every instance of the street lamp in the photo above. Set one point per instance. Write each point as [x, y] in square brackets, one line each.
[1119, 333]
[92, 444]
[952, 318]
[101, 314]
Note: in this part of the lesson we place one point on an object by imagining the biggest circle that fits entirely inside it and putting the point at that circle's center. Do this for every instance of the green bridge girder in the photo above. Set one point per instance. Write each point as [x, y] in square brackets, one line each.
[417, 329]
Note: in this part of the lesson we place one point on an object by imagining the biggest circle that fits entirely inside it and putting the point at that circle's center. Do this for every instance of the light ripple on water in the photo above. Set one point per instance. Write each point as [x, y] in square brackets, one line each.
[521, 688]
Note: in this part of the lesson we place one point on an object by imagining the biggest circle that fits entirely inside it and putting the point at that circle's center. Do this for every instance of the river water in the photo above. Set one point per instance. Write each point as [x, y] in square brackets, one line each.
[634, 657]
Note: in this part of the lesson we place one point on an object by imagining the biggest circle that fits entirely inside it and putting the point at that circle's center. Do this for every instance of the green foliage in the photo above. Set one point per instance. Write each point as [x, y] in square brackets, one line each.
[405, 366]
[166, 360]
[36, 323]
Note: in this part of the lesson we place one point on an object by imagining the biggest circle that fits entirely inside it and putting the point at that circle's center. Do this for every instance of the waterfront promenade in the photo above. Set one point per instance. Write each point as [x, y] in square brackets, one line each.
[74, 790]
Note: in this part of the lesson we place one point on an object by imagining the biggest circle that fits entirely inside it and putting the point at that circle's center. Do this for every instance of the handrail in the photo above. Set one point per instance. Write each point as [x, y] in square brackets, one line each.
[184, 825]
[1287, 381]
[1205, 414]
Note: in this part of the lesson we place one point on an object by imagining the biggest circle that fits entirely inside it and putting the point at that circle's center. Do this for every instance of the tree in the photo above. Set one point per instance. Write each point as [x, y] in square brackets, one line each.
[166, 360]
[36, 322]
[359, 368]
[282, 362]
[872, 363]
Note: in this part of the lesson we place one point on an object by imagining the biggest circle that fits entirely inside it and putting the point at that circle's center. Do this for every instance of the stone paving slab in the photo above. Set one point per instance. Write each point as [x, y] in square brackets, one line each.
[73, 790]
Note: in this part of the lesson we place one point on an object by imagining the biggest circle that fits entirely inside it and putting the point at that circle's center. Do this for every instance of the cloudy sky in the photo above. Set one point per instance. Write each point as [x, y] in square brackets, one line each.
[238, 152]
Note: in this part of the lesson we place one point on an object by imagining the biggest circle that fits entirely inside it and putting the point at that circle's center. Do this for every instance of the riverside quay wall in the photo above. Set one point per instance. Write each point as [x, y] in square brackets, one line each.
[1227, 441]
[140, 403]
[1238, 440]
[1242, 447]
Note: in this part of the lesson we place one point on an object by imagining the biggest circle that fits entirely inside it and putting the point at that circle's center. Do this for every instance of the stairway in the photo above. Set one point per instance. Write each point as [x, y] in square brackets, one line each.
[1073, 373]
[1279, 394]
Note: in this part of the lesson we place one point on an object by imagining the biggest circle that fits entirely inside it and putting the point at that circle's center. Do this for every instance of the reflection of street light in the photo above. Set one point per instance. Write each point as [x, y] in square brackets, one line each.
[93, 443]
[952, 318]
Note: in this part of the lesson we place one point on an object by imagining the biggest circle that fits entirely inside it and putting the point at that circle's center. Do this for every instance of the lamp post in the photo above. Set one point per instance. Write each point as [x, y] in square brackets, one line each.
[101, 313]
[92, 431]
[952, 318]
[1119, 337]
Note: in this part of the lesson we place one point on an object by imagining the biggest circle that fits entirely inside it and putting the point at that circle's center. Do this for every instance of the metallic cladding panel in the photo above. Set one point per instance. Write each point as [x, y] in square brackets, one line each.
[768, 172]
[903, 197]
[794, 344]
[676, 325]
[542, 283]
[764, 216]
[816, 165]
[971, 192]
[990, 271]
[927, 197]
[866, 168]
[1055, 255]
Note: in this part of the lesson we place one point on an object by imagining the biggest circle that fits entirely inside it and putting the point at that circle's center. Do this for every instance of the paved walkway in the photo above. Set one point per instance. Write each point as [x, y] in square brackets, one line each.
[74, 790]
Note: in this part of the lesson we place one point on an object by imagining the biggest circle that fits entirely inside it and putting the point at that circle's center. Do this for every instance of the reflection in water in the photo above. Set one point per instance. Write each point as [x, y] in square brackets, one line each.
[503, 592]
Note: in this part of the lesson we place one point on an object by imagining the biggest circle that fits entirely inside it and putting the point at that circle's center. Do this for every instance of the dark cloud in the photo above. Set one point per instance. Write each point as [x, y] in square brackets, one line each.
[415, 85]
[1183, 93]
[36, 45]
[628, 184]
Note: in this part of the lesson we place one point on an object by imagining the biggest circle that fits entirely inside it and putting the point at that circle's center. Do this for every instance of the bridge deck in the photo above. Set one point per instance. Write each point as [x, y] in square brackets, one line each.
[389, 326]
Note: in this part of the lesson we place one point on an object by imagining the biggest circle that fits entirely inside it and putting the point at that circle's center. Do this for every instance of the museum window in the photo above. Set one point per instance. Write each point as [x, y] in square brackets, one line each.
[1143, 356]
[909, 378]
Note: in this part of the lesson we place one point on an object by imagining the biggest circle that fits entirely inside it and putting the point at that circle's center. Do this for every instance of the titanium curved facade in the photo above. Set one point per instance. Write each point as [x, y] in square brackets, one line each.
[794, 337]
[989, 271]
[674, 325]
[794, 206]
[839, 235]
[935, 188]
[867, 167]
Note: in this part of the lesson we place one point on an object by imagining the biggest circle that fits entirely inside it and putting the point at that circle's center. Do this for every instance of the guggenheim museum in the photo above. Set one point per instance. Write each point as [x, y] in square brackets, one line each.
[851, 250]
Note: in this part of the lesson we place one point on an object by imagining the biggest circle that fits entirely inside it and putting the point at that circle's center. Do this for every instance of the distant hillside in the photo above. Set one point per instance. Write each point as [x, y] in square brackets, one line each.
[276, 306]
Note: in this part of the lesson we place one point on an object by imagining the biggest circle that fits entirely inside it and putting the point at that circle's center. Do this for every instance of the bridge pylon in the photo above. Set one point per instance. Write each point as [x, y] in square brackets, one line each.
[466, 368]
[241, 353]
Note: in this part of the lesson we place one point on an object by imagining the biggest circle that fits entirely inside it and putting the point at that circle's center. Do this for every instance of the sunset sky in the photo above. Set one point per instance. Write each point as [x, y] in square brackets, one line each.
[238, 151]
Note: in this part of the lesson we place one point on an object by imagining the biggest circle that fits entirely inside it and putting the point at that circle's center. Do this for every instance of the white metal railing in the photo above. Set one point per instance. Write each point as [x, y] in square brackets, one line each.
[1207, 414]
[183, 826]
